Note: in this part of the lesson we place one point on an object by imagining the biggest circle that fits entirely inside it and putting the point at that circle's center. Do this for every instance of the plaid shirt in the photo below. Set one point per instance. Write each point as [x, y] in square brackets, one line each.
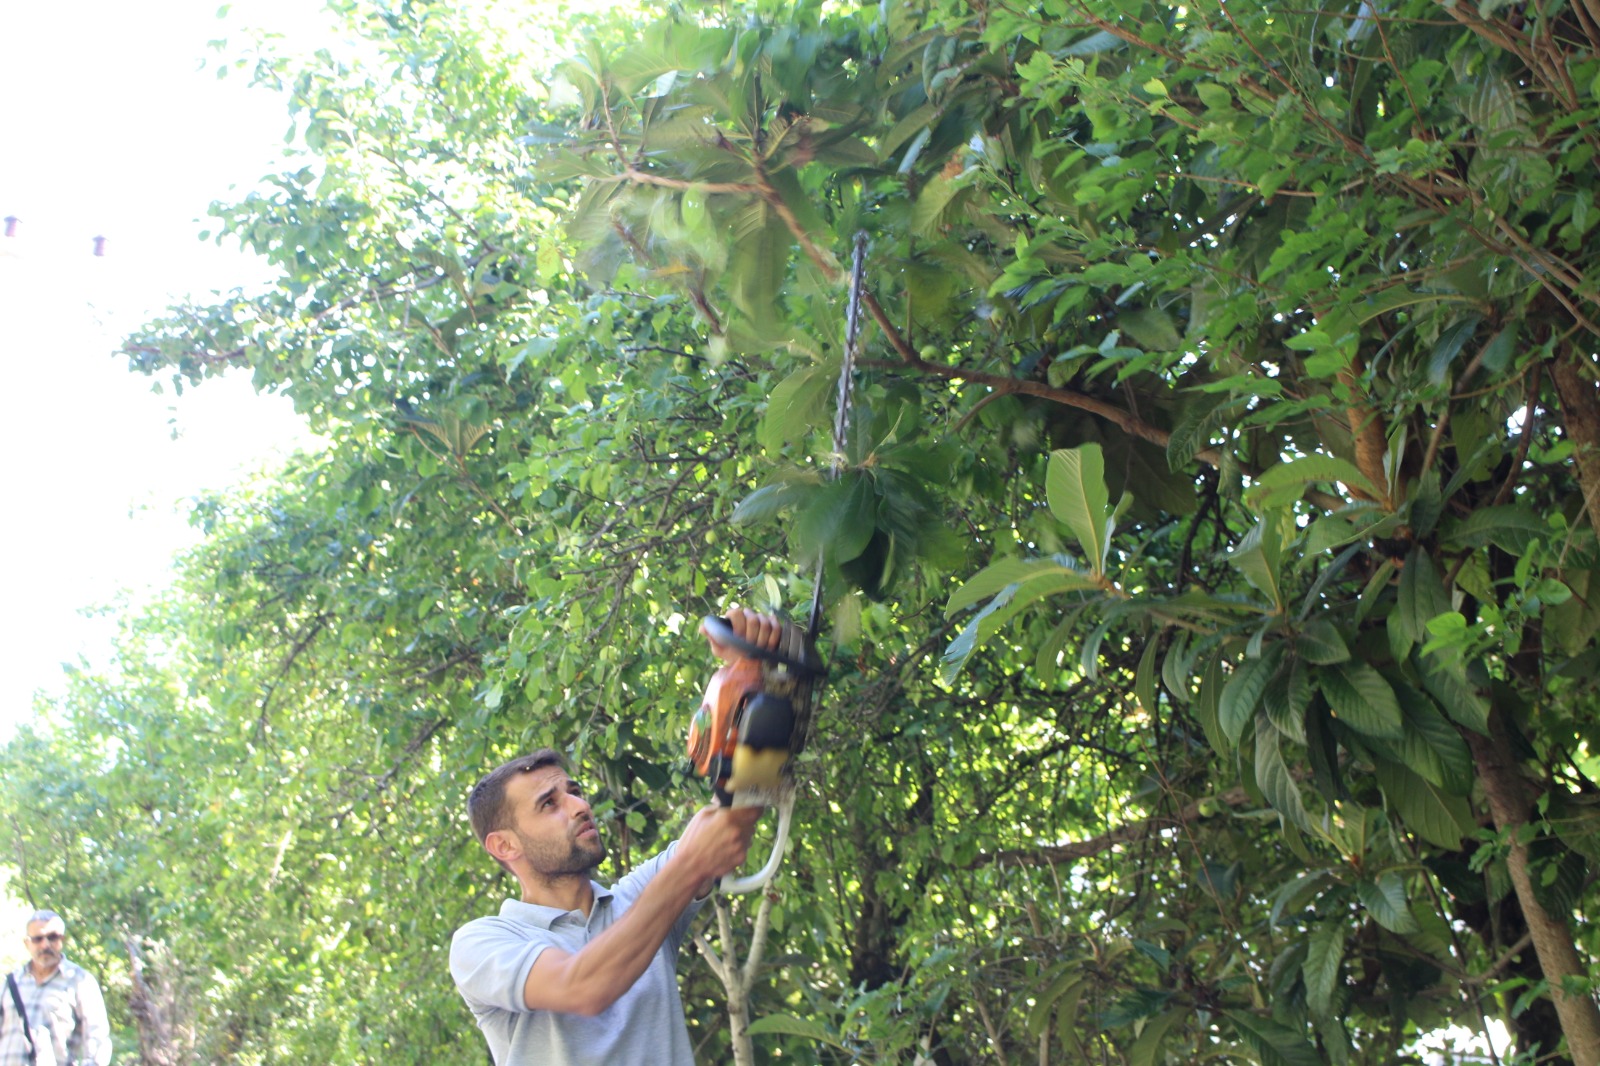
[70, 1007]
[14, 1038]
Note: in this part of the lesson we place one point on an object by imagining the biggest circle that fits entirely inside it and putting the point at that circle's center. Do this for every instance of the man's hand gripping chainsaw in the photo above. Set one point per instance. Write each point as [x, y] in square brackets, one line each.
[753, 720]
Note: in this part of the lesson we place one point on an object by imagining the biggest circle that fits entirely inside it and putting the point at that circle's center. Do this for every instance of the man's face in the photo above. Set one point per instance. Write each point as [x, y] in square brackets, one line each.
[43, 942]
[552, 822]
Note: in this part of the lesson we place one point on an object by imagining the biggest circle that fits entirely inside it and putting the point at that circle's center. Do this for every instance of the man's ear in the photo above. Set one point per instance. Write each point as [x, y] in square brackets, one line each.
[503, 846]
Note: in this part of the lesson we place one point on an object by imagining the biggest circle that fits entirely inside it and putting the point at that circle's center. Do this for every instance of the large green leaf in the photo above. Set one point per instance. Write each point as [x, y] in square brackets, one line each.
[1287, 698]
[1384, 897]
[1274, 778]
[791, 1025]
[1068, 977]
[1435, 815]
[1207, 707]
[1076, 487]
[1242, 695]
[1053, 575]
[797, 405]
[1324, 955]
[1146, 1051]
[1422, 597]
[1319, 642]
[1284, 483]
[1460, 698]
[1273, 1043]
[1295, 894]
[1259, 557]
[1511, 527]
[839, 518]
[1432, 746]
[1362, 699]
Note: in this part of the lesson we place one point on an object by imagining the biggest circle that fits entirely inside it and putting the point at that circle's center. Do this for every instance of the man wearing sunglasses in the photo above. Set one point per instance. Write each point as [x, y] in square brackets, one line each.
[62, 998]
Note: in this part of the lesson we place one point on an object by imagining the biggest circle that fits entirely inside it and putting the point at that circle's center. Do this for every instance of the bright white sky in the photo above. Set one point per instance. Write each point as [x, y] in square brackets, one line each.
[110, 126]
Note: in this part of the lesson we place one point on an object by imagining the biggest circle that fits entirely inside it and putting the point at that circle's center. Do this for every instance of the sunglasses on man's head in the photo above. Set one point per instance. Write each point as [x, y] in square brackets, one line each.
[54, 938]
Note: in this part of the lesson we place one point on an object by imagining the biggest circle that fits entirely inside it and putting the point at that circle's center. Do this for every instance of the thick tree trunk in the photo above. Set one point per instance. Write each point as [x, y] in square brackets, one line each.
[1574, 377]
[1511, 802]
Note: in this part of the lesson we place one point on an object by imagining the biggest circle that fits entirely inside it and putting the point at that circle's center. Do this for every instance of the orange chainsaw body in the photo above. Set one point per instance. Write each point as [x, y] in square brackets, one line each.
[754, 716]
[714, 729]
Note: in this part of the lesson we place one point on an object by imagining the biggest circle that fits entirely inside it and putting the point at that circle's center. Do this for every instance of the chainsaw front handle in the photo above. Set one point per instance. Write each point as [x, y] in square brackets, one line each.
[758, 880]
[795, 649]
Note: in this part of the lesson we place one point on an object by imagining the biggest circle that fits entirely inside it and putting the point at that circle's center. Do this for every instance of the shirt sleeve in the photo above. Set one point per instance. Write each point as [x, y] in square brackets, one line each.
[96, 1026]
[44, 1046]
[490, 961]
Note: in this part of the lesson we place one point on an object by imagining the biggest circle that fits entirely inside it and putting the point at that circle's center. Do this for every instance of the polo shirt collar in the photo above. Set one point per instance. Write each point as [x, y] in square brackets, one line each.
[545, 917]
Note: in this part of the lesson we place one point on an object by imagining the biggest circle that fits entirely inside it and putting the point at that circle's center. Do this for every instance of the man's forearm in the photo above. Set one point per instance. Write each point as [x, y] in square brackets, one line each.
[590, 980]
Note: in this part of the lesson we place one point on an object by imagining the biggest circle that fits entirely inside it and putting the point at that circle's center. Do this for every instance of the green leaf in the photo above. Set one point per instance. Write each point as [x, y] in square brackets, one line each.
[979, 628]
[1242, 695]
[1146, 1051]
[1259, 556]
[1384, 897]
[1432, 813]
[1056, 575]
[839, 519]
[1324, 954]
[796, 405]
[1287, 697]
[1272, 775]
[1151, 328]
[1511, 528]
[790, 1025]
[1421, 598]
[1177, 667]
[1206, 707]
[1076, 488]
[1432, 746]
[1450, 343]
[769, 501]
[928, 211]
[1296, 893]
[1496, 355]
[1459, 698]
[1319, 642]
[1274, 1043]
[1144, 679]
[1362, 699]
[1067, 976]
[1285, 483]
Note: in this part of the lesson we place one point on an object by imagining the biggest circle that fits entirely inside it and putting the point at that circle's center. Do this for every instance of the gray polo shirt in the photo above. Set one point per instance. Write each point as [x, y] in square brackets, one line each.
[490, 958]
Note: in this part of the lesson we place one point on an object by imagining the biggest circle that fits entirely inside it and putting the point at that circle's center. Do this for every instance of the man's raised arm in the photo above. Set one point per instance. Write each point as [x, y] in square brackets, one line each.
[590, 980]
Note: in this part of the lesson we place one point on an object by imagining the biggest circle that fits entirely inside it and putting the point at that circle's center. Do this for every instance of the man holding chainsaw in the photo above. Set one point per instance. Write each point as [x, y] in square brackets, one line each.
[573, 972]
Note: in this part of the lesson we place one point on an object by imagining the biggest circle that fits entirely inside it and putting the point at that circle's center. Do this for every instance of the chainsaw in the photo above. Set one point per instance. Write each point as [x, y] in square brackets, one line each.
[756, 714]
[751, 724]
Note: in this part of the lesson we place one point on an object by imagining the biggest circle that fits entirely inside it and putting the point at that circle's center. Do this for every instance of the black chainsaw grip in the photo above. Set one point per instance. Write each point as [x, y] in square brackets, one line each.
[722, 632]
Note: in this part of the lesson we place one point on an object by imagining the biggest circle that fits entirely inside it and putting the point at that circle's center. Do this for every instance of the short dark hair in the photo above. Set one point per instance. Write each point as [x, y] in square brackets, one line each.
[486, 805]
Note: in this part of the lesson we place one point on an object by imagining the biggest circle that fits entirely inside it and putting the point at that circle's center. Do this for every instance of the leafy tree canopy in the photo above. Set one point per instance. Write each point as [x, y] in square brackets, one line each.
[1212, 649]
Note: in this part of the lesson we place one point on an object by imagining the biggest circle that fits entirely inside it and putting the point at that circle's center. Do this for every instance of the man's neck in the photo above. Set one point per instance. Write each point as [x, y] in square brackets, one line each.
[41, 975]
[567, 892]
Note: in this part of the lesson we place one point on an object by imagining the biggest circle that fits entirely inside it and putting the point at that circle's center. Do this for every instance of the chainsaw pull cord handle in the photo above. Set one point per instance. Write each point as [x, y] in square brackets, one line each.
[844, 403]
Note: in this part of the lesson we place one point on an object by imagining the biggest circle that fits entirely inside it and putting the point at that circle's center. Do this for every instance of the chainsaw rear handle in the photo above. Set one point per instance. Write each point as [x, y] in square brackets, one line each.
[794, 649]
[757, 881]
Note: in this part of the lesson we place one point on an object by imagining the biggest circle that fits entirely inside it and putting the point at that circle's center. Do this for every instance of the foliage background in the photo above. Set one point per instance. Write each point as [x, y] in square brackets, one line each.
[1212, 657]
